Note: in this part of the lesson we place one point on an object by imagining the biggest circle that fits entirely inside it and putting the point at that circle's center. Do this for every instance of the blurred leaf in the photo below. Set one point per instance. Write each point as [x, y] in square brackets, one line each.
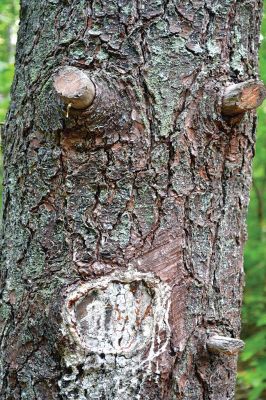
[254, 344]
[262, 321]
[252, 366]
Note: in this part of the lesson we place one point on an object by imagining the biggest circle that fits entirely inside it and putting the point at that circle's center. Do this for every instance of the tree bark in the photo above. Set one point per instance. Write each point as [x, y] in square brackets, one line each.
[124, 222]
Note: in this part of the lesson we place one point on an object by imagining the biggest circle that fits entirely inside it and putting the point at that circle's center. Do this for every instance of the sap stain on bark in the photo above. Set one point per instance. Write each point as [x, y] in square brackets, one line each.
[117, 327]
[151, 174]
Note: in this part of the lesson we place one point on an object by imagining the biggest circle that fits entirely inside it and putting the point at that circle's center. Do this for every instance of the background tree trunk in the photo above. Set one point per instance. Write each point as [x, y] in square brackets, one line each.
[124, 224]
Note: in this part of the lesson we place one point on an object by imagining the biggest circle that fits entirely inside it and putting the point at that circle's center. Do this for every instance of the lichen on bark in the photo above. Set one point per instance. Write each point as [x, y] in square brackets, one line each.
[150, 179]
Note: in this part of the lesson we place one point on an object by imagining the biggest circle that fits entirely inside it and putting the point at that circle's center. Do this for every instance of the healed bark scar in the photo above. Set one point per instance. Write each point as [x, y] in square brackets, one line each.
[118, 314]
[123, 316]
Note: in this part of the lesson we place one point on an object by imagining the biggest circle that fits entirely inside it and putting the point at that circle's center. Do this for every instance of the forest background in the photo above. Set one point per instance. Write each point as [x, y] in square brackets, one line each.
[252, 363]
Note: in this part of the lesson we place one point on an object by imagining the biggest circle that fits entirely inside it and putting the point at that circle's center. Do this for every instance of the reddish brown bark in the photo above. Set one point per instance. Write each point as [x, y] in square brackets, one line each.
[124, 223]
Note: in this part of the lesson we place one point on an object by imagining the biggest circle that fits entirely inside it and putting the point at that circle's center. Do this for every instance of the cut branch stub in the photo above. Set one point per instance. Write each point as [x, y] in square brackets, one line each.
[74, 87]
[242, 97]
[224, 345]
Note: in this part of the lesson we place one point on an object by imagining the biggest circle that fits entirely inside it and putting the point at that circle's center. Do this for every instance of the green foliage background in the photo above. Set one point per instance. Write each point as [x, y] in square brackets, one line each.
[252, 365]
[8, 26]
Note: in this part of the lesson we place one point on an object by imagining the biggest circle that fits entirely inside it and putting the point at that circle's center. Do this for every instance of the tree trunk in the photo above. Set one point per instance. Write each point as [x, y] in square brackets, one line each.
[126, 188]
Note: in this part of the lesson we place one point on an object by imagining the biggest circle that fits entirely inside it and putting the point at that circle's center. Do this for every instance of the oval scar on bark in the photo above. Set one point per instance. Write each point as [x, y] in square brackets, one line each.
[242, 97]
[118, 314]
[224, 345]
[117, 327]
[74, 87]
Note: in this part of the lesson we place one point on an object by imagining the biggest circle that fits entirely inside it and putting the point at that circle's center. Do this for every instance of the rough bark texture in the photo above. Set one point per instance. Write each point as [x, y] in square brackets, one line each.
[124, 224]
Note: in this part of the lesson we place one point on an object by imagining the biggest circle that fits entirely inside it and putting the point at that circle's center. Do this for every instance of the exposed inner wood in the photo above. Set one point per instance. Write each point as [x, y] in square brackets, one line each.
[243, 97]
[74, 87]
[138, 202]
[225, 345]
